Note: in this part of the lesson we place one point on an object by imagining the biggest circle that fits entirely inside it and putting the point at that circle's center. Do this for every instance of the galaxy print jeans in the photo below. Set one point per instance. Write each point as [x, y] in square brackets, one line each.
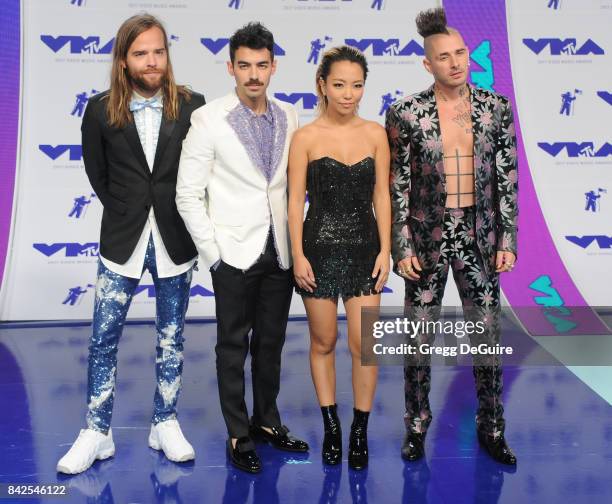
[479, 293]
[113, 297]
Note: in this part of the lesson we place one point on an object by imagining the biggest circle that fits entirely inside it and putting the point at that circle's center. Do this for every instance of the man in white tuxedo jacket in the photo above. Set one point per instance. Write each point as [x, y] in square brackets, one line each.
[232, 194]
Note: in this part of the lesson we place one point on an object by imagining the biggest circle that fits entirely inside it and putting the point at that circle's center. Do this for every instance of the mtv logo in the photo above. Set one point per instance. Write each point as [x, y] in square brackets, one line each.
[603, 241]
[309, 100]
[215, 46]
[563, 46]
[75, 151]
[386, 47]
[71, 249]
[77, 44]
[576, 149]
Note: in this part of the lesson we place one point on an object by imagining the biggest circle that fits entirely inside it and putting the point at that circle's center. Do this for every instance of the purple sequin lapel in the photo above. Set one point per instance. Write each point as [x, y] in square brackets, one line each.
[239, 119]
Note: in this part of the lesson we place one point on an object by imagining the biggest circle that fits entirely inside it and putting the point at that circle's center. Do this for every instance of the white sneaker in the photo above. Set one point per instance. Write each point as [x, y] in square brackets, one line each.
[90, 446]
[167, 436]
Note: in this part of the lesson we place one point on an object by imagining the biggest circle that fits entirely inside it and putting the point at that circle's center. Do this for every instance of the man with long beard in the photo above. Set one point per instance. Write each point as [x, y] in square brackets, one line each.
[132, 138]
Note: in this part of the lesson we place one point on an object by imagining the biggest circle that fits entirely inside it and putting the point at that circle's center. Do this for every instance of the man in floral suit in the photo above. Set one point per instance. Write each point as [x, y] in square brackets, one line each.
[454, 197]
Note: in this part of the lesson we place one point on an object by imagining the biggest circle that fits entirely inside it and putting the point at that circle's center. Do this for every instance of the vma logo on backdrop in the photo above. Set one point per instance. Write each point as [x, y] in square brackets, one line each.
[603, 242]
[485, 77]
[593, 198]
[386, 47]
[77, 44]
[576, 149]
[605, 96]
[75, 294]
[90, 249]
[307, 101]
[81, 100]
[565, 47]
[388, 99]
[215, 46]
[567, 102]
[316, 46]
[79, 206]
[75, 152]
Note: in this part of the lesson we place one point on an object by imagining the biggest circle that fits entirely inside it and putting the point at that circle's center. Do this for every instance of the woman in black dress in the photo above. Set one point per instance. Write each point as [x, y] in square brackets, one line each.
[341, 249]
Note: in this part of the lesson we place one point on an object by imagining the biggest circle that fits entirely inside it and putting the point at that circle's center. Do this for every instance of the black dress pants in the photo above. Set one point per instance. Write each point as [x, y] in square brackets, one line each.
[257, 300]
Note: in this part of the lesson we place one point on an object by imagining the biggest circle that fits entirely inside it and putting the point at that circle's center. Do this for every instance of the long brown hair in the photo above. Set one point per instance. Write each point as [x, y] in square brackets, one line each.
[118, 105]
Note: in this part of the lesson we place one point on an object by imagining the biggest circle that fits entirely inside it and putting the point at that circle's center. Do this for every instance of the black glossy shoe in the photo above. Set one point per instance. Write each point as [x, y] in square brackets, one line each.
[413, 447]
[332, 441]
[279, 438]
[244, 456]
[497, 448]
[358, 440]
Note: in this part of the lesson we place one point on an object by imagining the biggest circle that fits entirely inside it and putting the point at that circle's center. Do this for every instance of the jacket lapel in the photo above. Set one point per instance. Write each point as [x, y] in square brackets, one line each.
[434, 136]
[240, 121]
[280, 136]
[131, 134]
[479, 135]
[165, 133]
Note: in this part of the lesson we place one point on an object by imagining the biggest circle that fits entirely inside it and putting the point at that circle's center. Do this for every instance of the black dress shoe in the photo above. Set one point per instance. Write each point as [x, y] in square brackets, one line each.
[244, 456]
[413, 447]
[358, 440]
[279, 438]
[497, 448]
[332, 440]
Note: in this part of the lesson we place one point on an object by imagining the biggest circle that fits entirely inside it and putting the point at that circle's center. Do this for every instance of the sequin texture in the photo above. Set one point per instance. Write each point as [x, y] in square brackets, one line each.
[114, 294]
[340, 236]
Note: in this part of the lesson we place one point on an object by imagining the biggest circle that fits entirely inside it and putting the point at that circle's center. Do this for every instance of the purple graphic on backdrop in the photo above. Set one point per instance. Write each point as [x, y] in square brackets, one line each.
[540, 277]
[9, 119]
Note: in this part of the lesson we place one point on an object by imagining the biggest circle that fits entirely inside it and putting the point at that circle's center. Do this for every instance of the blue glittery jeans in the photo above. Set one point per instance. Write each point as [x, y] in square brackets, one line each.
[113, 297]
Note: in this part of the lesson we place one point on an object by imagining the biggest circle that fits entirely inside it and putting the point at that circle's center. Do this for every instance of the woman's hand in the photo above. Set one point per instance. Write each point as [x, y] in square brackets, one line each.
[303, 274]
[381, 269]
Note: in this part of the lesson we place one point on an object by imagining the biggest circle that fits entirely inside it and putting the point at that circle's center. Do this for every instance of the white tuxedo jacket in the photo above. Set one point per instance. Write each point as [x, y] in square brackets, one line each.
[222, 193]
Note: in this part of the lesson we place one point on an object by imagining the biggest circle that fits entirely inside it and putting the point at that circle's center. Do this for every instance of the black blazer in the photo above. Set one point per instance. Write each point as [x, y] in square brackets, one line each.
[117, 169]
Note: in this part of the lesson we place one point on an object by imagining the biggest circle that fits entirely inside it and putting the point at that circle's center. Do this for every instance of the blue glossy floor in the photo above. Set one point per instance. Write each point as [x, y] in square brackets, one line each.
[560, 429]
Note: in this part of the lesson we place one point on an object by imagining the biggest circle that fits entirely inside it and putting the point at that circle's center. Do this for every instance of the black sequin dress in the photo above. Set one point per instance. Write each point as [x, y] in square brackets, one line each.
[340, 236]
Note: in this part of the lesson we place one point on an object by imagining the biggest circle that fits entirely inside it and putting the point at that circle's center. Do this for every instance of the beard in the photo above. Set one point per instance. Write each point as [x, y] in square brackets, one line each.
[138, 80]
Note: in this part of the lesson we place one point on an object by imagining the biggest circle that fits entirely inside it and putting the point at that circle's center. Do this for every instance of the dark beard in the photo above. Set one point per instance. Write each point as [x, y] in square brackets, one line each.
[138, 82]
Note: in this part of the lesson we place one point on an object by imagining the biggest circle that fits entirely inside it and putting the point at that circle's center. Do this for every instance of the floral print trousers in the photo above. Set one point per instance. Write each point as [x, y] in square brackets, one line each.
[479, 292]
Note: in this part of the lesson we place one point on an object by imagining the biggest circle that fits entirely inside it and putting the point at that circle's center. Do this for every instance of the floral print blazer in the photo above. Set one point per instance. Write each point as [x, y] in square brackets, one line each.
[418, 191]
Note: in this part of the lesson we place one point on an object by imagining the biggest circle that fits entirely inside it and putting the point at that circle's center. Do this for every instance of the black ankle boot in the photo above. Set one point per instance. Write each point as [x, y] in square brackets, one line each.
[358, 440]
[332, 442]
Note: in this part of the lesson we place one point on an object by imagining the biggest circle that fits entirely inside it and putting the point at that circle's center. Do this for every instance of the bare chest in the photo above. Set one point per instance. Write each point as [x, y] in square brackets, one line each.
[456, 127]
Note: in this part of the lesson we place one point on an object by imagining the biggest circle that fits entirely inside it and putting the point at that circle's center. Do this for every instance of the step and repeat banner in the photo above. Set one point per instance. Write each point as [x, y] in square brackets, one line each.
[552, 58]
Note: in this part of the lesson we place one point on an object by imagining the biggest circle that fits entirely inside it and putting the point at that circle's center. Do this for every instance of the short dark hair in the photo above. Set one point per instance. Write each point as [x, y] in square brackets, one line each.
[253, 35]
[432, 22]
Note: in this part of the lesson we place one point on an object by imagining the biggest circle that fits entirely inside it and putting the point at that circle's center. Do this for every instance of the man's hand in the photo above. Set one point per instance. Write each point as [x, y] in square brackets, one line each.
[504, 261]
[408, 268]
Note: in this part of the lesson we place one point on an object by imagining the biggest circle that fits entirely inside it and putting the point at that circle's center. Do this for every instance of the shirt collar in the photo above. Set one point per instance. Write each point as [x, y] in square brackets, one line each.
[267, 115]
[159, 95]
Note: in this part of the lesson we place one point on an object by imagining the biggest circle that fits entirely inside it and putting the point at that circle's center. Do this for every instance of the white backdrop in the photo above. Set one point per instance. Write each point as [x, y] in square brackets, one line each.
[51, 267]
[555, 52]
